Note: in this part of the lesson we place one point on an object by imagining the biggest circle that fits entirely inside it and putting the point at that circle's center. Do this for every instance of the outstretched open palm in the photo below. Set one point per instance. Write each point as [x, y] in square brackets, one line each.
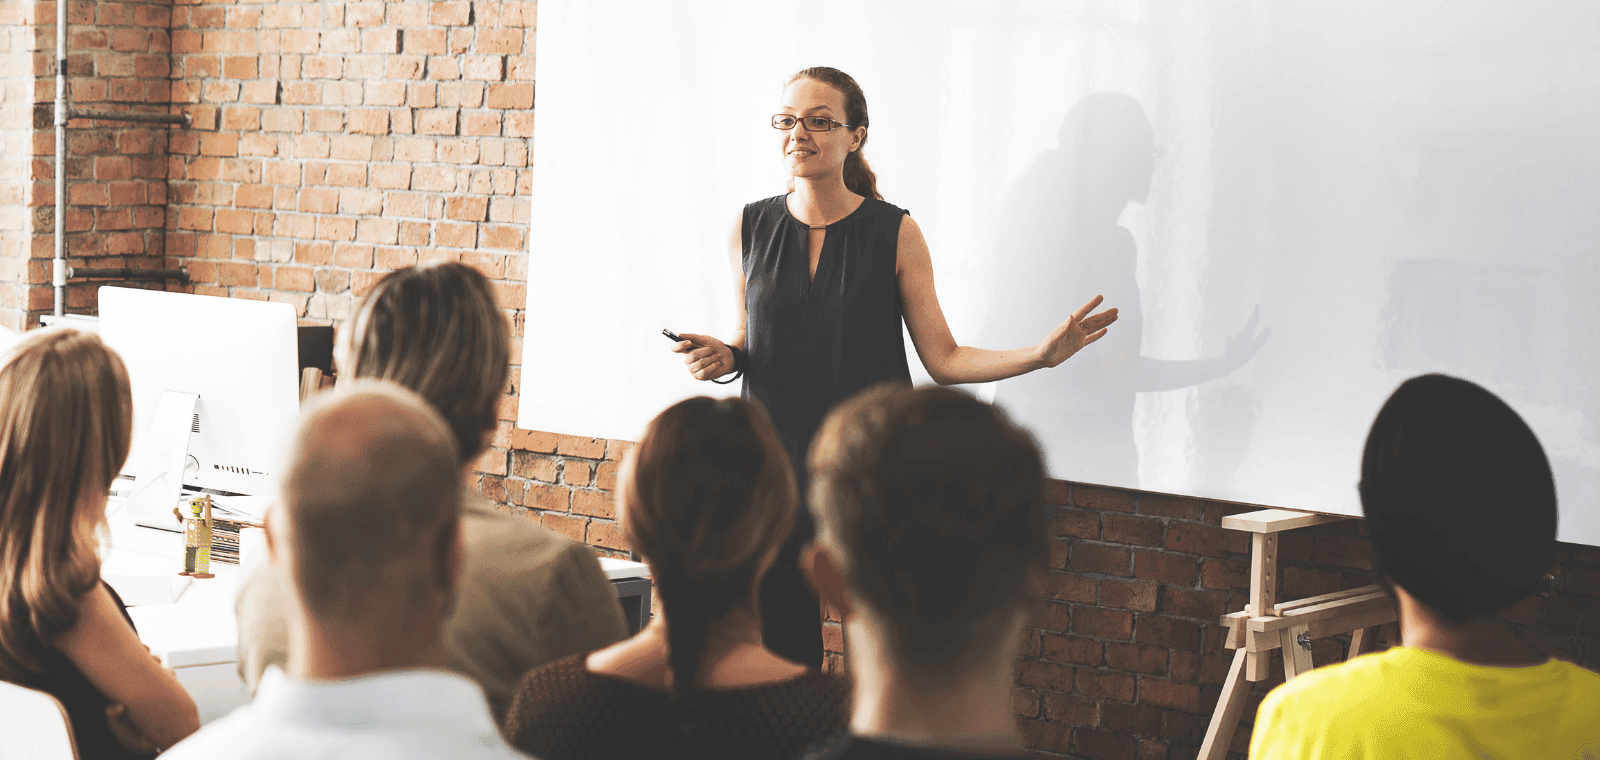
[1079, 330]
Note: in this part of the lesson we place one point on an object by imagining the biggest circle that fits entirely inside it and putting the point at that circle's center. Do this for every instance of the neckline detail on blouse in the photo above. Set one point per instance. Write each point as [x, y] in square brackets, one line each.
[796, 219]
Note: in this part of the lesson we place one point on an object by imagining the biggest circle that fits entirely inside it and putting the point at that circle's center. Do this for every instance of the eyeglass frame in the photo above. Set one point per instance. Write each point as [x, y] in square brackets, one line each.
[800, 121]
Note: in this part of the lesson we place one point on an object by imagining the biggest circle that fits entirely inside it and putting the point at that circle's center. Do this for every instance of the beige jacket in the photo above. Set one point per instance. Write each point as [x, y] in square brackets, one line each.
[528, 596]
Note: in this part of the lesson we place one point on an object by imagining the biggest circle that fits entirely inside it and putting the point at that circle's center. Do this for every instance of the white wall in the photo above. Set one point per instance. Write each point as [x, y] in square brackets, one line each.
[1364, 190]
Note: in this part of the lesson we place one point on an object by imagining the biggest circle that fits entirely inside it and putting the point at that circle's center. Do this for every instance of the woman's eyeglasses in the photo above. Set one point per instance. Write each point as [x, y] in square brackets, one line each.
[811, 123]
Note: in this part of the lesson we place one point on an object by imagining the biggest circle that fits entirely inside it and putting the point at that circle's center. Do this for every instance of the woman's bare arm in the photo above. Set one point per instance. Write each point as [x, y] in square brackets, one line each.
[106, 650]
[949, 363]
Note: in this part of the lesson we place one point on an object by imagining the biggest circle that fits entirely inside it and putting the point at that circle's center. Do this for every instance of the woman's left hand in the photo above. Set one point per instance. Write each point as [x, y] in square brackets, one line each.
[1078, 331]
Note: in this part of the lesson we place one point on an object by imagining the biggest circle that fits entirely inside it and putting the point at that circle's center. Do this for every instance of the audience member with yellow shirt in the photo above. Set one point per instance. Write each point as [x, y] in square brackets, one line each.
[1461, 504]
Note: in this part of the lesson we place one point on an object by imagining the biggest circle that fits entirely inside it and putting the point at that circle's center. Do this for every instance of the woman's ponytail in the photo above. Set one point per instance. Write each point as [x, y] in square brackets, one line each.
[708, 500]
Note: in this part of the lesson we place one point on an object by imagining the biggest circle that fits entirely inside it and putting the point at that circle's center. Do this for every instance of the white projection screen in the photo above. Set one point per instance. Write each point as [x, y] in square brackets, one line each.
[1296, 205]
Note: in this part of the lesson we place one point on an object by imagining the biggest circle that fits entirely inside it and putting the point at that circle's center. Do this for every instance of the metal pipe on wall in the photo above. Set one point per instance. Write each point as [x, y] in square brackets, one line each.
[59, 271]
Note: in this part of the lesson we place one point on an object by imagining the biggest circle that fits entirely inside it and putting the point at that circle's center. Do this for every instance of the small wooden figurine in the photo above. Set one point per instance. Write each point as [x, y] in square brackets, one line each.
[197, 539]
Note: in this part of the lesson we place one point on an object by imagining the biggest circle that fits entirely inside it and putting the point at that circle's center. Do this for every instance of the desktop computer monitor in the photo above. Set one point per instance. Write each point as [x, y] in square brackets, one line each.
[239, 360]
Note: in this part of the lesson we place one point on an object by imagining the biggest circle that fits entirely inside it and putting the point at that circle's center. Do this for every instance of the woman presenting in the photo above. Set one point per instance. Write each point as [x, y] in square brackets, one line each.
[823, 277]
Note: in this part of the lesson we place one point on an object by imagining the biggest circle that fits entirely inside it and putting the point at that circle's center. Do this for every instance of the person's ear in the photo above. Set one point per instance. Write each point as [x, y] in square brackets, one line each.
[822, 571]
[268, 527]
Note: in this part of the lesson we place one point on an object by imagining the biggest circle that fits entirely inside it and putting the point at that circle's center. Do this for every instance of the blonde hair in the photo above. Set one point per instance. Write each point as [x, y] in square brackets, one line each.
[437, 330]
[66, 422]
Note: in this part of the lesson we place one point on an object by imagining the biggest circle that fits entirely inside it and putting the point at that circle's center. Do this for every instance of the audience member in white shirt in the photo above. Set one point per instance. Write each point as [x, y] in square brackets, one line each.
[368, 529]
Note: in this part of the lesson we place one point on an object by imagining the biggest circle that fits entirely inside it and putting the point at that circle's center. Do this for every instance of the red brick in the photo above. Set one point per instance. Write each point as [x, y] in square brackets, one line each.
[1098, 558]
[1167, 568]
[1183, 602]
[1137, 658]
[1207, 540]
[1345, 551]
[1131, 719]
[1162, 505]
[450, 14]
[1225, 573]
[237, 221]
[1104, 499]
[470, 208]
[1102, 623]
[1300, 582]
[1169, 694]
[1052, 617]
[294, 278]
[1039, 734]
[1069, 587]
[1045, 675]
[594, 504]
[1071, 710]
[1088, 742]
[1138, 596]
[1071, 650]
[1024, 703]
[510, 96]
[1167, 632]
[548, 498]
[566, 525]
[526, 464]
[608, 535]
[1077, 523]
[1128, 529]
[237, 274]
[1105, 683]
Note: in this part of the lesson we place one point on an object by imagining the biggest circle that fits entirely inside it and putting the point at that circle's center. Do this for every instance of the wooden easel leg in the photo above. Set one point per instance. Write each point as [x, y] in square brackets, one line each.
[1363, 641]
[1296, 659]
[1230, 706]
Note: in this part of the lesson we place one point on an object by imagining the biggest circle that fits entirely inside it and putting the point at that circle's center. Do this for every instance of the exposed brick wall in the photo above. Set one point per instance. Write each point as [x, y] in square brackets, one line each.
[115, 172]
[17, 215]
[1127, 659]
[336, 141]
[333, 142]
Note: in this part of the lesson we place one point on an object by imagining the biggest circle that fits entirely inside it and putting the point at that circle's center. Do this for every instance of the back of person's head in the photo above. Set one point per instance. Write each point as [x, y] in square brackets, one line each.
[931, 504]
[437, 330]
[370, 505]
[707, 499]
[1459, 498]
[66, 421]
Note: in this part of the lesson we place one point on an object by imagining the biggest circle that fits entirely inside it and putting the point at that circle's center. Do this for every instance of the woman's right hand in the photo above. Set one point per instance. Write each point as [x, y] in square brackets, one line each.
[706, 357]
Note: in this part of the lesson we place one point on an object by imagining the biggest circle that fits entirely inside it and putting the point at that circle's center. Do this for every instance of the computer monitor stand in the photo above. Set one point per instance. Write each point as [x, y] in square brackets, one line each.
[158, 478]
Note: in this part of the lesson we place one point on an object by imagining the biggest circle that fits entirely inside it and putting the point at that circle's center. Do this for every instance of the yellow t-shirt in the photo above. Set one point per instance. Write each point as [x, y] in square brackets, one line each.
[1415, 703]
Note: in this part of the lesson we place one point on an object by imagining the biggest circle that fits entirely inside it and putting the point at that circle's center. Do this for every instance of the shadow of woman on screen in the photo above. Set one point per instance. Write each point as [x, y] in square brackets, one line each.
[1060, 240]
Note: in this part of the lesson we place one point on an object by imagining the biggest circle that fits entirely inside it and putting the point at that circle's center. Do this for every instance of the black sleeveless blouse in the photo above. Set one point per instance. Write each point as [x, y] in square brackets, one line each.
[813, 343]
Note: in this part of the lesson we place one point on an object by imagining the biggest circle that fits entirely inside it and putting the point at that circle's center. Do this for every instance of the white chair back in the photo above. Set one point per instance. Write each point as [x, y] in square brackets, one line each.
[33, 726]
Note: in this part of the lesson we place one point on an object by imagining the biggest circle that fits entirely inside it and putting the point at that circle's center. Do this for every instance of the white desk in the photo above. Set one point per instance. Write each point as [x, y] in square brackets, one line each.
[197, 635]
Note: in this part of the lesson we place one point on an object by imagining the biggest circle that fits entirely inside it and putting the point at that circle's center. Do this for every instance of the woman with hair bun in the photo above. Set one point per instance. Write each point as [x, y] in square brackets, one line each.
[826, 277]
[707, 499]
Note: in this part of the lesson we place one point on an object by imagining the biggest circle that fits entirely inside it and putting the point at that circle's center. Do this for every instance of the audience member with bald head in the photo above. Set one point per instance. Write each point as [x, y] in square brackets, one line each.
[368, 530]
[527, 596]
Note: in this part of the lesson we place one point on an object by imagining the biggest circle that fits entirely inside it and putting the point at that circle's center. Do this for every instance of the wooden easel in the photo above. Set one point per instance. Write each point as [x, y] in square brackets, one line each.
[1265, 625]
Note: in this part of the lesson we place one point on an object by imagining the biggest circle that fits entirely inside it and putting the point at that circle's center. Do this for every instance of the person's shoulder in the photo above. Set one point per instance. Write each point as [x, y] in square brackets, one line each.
[881, 206]
[1585, 684]
[238, 734]
[494, 536]
[1337, 687]
[768, 204]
